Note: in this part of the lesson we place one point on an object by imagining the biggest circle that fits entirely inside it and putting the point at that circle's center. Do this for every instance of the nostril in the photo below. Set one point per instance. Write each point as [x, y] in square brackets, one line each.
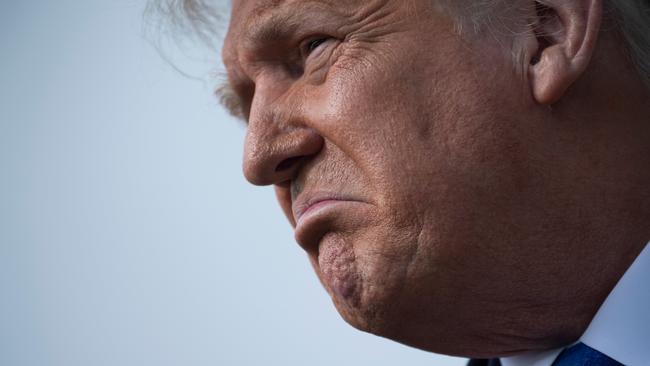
[287, 163]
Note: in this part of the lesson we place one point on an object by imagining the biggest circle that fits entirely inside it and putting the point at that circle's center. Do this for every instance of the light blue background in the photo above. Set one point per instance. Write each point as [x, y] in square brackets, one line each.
[128, 235]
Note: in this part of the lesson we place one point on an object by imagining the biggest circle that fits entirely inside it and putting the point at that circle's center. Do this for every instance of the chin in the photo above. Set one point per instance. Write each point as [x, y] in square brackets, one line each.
[385, 318]
[368, 316]
[368, 304]
[366, 274]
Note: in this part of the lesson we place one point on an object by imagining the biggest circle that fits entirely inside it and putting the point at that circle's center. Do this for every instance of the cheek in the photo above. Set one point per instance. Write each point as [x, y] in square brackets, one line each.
[431, 146]
[372, 124]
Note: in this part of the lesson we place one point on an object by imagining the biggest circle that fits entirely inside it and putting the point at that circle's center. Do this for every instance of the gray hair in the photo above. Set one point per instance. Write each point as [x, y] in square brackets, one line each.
[633, 20]
[630, 17]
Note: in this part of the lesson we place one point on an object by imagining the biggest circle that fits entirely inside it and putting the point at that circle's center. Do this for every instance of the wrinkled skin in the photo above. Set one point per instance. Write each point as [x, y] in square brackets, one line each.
[465, 218]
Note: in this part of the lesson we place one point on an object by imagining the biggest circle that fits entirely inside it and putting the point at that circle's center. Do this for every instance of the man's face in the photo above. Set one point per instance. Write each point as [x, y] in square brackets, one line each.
[406, 159]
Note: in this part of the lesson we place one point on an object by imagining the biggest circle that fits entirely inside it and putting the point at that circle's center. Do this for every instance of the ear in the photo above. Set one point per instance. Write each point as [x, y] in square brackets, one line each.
[565, 34]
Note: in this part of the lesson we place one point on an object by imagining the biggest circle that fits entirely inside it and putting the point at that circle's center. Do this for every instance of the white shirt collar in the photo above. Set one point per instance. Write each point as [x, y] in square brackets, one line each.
[545, 358]
[621, 327]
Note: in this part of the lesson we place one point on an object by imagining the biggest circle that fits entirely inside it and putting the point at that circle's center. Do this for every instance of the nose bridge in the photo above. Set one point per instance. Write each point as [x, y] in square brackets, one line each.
[277, 139]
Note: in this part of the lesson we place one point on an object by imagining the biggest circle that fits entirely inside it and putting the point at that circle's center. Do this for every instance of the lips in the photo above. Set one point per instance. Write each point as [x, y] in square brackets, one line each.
[307, 203]
[317, 213]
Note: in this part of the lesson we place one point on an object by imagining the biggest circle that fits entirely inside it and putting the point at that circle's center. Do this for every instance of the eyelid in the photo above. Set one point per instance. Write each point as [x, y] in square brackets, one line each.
[306, 52]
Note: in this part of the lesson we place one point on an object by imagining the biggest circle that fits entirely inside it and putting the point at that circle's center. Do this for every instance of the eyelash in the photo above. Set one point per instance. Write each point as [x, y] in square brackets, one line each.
[313, 44]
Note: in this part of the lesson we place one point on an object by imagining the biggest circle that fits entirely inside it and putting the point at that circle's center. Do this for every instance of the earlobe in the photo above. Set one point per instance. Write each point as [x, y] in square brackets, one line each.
[566, 32]
[550, 76]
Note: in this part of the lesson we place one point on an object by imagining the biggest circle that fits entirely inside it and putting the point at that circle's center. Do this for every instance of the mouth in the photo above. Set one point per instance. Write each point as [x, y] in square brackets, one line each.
[316, 214]
[302, 208]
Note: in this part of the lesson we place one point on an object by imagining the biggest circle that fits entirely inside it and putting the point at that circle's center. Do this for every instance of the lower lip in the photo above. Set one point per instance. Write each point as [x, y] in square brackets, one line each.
[322, 217]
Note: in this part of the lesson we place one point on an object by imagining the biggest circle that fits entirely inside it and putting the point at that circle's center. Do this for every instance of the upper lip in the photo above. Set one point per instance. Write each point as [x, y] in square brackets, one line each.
[306, 200]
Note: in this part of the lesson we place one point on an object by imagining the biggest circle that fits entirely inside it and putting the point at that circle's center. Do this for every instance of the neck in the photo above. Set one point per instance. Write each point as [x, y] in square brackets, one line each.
[599, 153]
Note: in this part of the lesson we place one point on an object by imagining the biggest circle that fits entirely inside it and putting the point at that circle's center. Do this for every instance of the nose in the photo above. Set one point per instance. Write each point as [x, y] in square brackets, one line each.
[275, 149]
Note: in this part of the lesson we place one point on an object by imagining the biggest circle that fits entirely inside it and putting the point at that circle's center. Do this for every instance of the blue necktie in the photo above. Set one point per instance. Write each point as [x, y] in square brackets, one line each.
[582, 355]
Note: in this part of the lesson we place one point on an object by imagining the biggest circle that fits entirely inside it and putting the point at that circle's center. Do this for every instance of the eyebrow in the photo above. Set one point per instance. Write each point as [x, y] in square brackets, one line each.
[276, 26]
[273, 22]
[229, 99]
[269, 23]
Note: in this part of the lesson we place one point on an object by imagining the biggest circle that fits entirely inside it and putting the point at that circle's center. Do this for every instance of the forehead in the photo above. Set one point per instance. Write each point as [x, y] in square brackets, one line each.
[248, 15]
[256, 21]
[249, 8]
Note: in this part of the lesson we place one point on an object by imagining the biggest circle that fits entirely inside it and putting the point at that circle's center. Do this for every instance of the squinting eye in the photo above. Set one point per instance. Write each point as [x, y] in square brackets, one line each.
[313, 44]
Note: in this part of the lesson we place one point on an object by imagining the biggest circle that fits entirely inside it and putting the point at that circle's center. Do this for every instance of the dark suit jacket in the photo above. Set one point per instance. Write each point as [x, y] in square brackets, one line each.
[477, 362]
